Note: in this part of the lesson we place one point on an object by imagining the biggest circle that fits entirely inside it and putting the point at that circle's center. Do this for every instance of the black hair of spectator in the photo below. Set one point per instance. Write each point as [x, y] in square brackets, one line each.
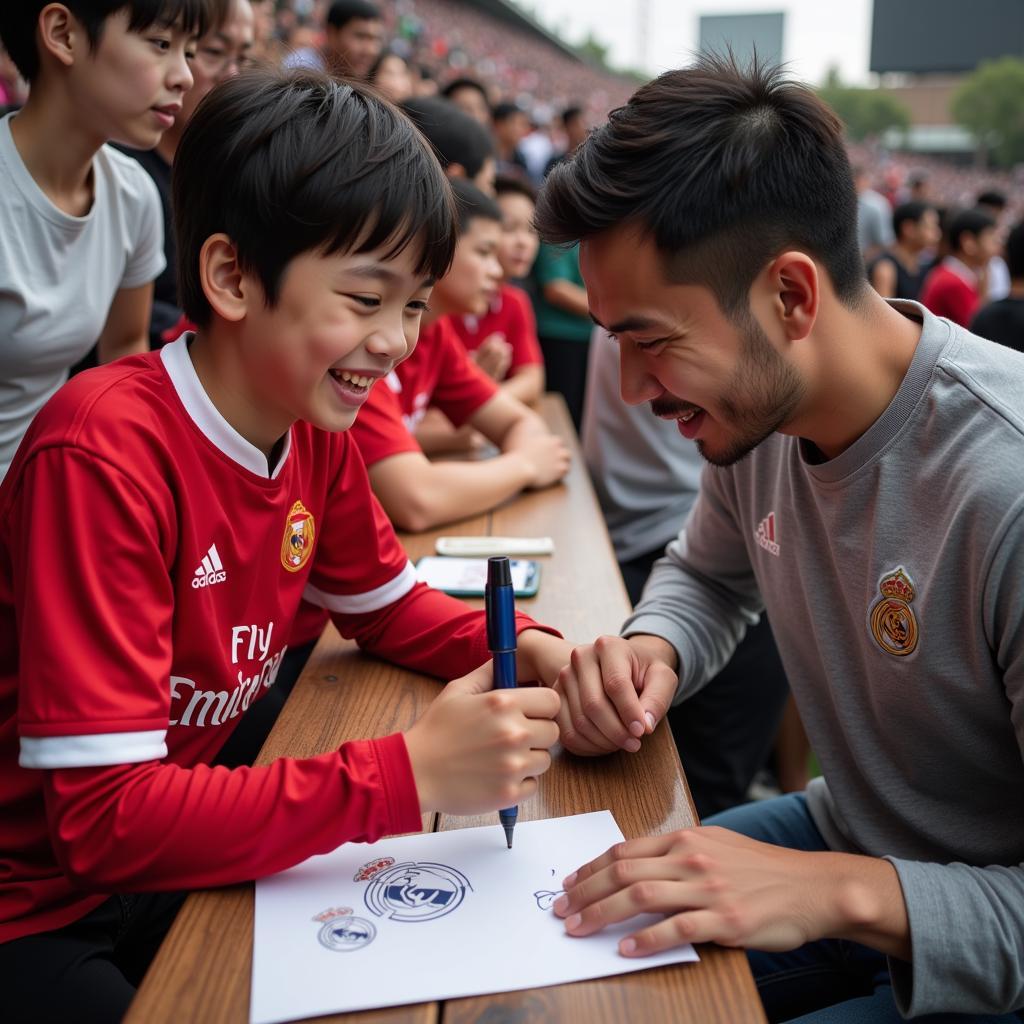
[456, 137]
[908, 213]
[371, 75]
[967, 222]
[471, 204]
[19, 20]
[1015, 252]
[507, 185]
[571, 114]
[996, 200]
[305, 163]
[465, 83]
[504, 110]
[724, 167]
[341, 12]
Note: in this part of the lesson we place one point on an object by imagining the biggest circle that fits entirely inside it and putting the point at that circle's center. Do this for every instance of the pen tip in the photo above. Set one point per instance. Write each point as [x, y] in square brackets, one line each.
[508, 836]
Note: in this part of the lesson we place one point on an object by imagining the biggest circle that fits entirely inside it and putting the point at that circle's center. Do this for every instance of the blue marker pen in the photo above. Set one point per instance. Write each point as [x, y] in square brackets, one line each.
[500, 605]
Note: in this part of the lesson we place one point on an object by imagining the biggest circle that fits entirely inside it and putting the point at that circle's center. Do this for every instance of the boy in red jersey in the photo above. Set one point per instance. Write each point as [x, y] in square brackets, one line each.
[160, 524]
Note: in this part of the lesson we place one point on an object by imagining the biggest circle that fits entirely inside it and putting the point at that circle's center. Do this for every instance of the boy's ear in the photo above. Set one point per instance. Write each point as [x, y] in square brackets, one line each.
[60, 33]
[222, 279]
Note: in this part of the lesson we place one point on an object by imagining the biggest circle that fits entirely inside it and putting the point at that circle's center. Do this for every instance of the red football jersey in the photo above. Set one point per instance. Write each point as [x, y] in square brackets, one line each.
[512, 316]
[439, 373]
[951, 290]
[150, 570]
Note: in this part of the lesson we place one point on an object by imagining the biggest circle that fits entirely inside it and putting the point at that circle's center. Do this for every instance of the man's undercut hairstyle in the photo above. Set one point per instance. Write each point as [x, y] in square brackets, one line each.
[341, 12]
[724, 168]
[456, 137]
[285, 163]
[967, 222]
[471, 203]
[1015, 252]
[908, 213]
[506, 185]
[20, 18]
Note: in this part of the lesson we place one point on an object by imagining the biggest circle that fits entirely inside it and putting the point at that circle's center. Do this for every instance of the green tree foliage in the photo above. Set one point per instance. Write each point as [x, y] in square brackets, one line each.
[866, 113]
[990, 104]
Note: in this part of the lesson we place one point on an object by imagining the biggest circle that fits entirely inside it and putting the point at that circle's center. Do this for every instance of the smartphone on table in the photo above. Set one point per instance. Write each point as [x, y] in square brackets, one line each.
[467, 577]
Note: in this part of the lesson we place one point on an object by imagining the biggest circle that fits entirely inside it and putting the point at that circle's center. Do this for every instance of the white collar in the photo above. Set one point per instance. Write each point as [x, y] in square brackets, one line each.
[207, 416]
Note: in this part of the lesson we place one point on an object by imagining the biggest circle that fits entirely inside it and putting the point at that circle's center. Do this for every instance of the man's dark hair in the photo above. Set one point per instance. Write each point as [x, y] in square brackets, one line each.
[723, 168]
[505, 184]
[908, 213]
[966, 222]
[471, 203]
[504, 110]
[19, 18]
[456, 137]
[990, 197]
[341, 12]
[304, 163]
[465, 83]
[1015, 252]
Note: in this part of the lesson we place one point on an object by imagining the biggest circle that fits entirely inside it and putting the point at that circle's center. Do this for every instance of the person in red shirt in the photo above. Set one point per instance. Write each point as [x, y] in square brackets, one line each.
[955, 288]
[161, 522]
[503, 342]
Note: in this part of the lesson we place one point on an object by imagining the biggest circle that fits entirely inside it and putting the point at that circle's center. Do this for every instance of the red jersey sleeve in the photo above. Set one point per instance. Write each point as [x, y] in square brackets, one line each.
[521, 332]
[462, 387]
[379, 429]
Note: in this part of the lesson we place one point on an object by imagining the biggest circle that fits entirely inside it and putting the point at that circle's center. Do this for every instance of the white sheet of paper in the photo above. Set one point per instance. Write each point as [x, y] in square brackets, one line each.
[456, 914]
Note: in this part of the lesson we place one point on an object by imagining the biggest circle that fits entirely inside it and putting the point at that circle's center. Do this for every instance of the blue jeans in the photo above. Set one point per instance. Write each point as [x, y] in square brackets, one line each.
[831, 981]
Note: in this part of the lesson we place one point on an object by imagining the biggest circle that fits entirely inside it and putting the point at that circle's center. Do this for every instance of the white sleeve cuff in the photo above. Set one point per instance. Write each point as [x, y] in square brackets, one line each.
[368, 601]
[91, 751]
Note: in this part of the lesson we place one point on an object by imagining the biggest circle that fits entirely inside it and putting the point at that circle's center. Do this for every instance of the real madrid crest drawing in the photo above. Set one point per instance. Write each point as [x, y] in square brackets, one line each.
[892, 619]
[297, 543]
[343, 932]
[412, 891]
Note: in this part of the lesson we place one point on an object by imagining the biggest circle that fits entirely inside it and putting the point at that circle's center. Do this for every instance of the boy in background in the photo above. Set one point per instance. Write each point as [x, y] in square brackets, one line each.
[956, 287]
[80, 227]
[165, 516]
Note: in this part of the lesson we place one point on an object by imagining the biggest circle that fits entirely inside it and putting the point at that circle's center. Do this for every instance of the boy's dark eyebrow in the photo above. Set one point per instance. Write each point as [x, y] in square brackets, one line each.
[380, 273]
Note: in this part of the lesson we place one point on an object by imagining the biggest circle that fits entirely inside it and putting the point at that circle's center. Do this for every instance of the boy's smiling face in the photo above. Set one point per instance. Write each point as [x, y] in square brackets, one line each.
[340, 323]
[133, 83]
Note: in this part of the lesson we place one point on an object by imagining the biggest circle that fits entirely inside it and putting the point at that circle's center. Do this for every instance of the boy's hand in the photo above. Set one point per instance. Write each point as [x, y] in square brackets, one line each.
[615, 691]
[493, 355]
[545, 456]
[477, 749]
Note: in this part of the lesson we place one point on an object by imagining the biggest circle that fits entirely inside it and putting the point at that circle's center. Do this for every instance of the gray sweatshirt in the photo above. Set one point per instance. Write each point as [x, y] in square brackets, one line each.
[893, 576]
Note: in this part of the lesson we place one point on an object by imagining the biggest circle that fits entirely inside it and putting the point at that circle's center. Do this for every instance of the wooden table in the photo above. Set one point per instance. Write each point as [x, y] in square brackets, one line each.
[202, 972]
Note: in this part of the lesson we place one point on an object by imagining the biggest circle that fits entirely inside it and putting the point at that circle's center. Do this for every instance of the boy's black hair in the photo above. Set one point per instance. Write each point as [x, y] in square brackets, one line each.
[341, 12]
[465, 83]
[990, 197]
[967, 222]
[19, 19]
[1015, 252]
[723, 167]
[471, 203]
[456, 137]
[504, 110]
[285, 163]
[908, 213]
[505, 184]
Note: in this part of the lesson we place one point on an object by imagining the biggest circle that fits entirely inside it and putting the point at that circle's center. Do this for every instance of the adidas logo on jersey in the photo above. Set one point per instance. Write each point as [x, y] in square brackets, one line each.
[210, 571]
[765, 535]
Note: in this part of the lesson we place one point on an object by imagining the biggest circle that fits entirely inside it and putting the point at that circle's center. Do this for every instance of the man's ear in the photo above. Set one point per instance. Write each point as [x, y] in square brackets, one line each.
[795, 288]
[227, 289]
[60, 34]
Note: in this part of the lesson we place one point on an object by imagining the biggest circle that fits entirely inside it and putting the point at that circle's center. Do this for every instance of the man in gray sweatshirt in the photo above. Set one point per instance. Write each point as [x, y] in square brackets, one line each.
[864, 487]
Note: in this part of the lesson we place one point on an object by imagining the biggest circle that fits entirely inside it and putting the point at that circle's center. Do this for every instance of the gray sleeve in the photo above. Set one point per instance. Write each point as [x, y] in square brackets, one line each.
[967, 922]
[701, 595]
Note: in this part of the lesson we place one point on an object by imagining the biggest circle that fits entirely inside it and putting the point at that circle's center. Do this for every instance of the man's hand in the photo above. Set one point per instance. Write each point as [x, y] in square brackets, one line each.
[477, 749]
[715, 885]
[493, 356]
[615, 691]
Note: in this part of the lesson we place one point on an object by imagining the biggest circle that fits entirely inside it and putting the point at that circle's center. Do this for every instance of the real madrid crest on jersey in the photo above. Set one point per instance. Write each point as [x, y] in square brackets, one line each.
[297, 543]
[892, 619]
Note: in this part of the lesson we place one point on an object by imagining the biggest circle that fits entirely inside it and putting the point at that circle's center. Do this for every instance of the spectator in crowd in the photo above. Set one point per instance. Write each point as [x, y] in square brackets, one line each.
[919, 187]
[463, 146]
[1003, 320]
[223, 51]
[874, 217]
[998, 277]
[574, 126]
[511, 126]
[647, 475]
[900, 271]
[12, 87]
[956, 287]
[563, 323]
[392, 77]
[353, 39]
[471, 98]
